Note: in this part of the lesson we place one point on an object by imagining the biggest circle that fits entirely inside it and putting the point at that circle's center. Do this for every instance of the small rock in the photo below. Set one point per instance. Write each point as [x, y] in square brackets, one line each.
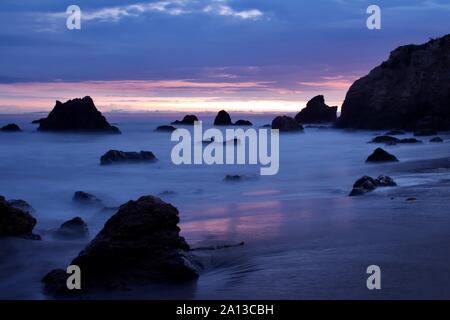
[115, 156]
[367, 184]
[22, 205]
[380, 155]
[235, 177]
[166, 129]
[73, 229]
[286, 124]
[411, 199]
[86, 198]
[12, 127]
[243, 123]
[15, 222]
[385, 181]
[436, 139]
[384, 139]
[189, 119]
[409, 140]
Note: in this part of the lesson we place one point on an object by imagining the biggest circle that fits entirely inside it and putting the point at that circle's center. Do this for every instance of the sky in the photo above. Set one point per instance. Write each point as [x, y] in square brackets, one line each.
[200, 55]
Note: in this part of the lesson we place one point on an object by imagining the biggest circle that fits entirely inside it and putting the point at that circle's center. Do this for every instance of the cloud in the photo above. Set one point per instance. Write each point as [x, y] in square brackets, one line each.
[168, 7]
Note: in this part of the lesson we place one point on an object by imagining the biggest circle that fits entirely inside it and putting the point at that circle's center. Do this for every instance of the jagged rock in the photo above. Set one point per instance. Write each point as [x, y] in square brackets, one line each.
[115, 156]
[409, 140]
[166, 129]
[425, 132]
[436, 139]
[380, 155]
[223, 119]
[11, 127]
[317, 111]
[73, 229]
[139, 244]
[385, 139]
[22, 205]
[76, 115]
[367, 184]
[82, 197]
[243, 123]
[286, 124]
[15, 222]
[395, 132]
[411, 90]
[189, 119]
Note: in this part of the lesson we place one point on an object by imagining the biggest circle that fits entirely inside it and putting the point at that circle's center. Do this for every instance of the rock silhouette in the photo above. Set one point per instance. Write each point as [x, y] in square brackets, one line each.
[317, 111]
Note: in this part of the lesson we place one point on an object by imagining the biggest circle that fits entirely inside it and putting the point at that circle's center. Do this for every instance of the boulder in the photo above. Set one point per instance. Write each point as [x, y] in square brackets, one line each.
[76, 115]
[380, 155]
[366, 184]
[75, 228]
[15, 222]
[286, 124]
[317, 111]
[12, 127]
[436, 139]
[243, 123]
[115, 156]
[22, 205]
[385, 139]
[189, 119]
[166, 129]
[425, 133]
[409, 91]
[223, 119]
[85, 198]
[139, 244]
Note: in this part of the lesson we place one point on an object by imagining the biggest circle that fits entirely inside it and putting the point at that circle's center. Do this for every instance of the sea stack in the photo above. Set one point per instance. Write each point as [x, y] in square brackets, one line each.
[411, 90]
[223, 119]
[317, 111]
[78, 115]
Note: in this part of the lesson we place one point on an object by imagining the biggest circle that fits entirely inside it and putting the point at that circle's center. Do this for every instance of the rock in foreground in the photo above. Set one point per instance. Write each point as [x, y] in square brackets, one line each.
[411, 90]
[366, 184]
[380, 155]
[15, 222]
[286, 124]
[317, 111]
[115, 156]
[12, 127]
[85, 198]
[76, 115]
[139, 244]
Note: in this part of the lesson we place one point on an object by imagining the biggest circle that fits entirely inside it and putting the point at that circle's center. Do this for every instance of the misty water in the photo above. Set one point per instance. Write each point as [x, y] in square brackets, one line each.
[304, 237]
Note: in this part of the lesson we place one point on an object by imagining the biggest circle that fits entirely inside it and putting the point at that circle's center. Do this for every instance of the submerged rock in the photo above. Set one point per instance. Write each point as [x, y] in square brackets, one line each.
[223, 119]
[86, 198]
[411, 90]
[409, 140]
[436, 139]
[15, 222]
[12, 127]
[76, 115]
[385, 139]
[166, 129]
[139, 244]
[317, 111]
[189, 119]
[380, 155]
[286, 124]
[115, 156]
[73, 229]
[395, 132]
[366, 184]
[243, 123]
